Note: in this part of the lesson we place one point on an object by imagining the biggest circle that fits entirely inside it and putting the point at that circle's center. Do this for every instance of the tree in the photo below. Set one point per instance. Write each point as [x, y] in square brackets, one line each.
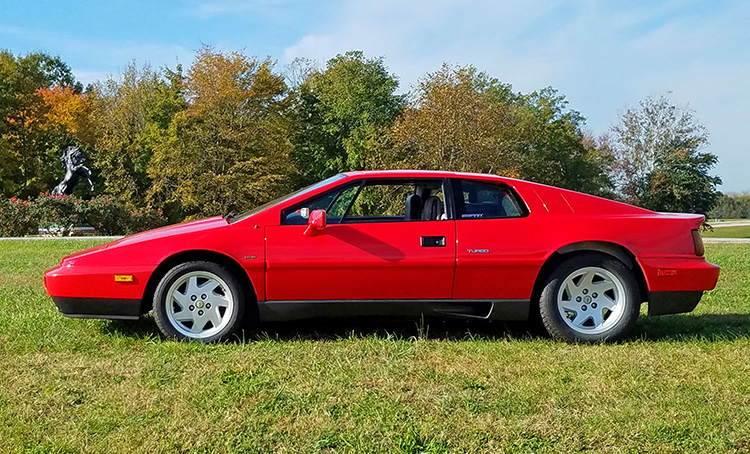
[555, 149]
[658, 159]
[342, 113]
[731, 206]
[229, 149]
[131, 114]
[462, 119]
[452, 124]
[68, 111]
[29, 163]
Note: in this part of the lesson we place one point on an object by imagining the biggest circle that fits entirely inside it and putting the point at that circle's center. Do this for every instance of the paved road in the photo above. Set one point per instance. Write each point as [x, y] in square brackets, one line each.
[726, 240]
[718, 225]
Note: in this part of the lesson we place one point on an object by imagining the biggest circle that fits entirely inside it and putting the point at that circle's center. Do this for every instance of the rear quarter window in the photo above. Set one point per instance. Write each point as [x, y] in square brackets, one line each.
[480, 200]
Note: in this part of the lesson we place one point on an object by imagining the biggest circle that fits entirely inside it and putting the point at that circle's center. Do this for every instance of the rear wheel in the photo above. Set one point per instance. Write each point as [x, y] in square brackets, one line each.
[591, 297]
[199, 301]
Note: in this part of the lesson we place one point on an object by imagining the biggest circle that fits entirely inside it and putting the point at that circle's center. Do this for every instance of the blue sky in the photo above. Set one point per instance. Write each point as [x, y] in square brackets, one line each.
[604, 56]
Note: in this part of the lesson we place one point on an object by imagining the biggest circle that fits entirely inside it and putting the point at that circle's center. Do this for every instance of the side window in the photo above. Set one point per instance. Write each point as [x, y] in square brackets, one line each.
[375, 201]
[398, 201]
[381, 202]
[478, 200]
[335, 203]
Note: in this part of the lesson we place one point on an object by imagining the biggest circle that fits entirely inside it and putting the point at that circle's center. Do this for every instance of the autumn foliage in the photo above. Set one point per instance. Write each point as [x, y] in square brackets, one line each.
[233, 131]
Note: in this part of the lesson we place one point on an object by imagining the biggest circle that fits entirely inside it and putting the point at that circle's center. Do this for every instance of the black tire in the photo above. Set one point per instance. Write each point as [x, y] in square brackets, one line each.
[589, 320]
[204, 300]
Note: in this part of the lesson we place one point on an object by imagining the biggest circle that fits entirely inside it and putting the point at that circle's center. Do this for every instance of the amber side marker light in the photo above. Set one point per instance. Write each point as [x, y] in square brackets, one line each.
[123, 278]
[698, 242]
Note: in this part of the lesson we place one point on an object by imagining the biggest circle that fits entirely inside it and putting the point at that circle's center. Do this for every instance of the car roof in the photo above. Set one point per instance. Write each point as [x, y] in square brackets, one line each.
[422, 174]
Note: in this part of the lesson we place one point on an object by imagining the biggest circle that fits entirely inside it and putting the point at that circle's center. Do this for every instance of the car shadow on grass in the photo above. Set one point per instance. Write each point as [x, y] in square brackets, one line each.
[454, 330]
[683, 327]
[322, 330]
[142, 329]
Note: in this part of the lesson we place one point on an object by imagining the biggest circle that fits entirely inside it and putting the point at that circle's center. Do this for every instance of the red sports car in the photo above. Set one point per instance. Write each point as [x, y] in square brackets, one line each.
[400, 243]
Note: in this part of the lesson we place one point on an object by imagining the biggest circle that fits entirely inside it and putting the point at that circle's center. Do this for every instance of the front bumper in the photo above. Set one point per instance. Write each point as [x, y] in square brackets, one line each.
[92, 292]
[96, 282]
[112, 309]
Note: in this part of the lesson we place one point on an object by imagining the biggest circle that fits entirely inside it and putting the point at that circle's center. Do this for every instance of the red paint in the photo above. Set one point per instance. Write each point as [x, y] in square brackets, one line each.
[481, 259]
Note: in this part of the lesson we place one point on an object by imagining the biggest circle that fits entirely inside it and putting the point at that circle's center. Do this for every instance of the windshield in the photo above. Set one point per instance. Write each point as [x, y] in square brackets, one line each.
[312, 187]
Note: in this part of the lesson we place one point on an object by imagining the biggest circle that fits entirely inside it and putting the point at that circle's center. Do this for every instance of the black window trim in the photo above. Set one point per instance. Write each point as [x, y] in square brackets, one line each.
[458, 197]
[446, 184]
[340, 189]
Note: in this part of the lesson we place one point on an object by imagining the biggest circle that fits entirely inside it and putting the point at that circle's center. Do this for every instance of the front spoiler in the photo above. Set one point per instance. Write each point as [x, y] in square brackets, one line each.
[663, 303]
[106, 308]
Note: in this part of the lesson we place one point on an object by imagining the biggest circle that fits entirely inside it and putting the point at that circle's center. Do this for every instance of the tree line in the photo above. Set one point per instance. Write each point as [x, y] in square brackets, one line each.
[731, 206]
[232, 131]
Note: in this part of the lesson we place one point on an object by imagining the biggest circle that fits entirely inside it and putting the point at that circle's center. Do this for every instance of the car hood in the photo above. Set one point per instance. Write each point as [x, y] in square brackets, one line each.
[171, 230]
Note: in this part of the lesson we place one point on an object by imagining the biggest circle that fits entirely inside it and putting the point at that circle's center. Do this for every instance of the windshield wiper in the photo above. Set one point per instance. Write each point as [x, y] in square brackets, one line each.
[229, 217]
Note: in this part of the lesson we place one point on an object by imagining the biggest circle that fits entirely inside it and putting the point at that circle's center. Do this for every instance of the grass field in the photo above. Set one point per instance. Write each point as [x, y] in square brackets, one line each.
[740, 231]
[680, 384]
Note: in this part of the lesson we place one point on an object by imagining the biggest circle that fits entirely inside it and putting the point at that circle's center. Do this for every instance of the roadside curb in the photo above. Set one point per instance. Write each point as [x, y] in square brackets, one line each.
[726, 240]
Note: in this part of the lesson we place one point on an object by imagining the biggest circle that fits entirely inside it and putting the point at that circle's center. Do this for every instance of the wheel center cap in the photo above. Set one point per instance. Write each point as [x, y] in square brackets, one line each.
[587, 299]
[199, 304]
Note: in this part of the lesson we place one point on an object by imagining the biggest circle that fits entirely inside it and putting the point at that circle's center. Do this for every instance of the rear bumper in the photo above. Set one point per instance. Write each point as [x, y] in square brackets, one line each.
[679, 274]
[663, 303]
[112, 309]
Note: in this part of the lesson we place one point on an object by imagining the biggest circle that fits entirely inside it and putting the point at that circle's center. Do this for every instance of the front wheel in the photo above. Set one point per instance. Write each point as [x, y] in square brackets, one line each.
[199, 301]
[591, 297]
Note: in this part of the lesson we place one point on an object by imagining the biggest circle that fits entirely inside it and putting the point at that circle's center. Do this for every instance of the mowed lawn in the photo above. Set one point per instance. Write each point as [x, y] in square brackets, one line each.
[738, 231]
[680, 384]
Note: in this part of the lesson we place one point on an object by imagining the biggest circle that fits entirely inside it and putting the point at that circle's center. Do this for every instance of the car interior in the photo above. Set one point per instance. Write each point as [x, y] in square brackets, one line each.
[377, 202]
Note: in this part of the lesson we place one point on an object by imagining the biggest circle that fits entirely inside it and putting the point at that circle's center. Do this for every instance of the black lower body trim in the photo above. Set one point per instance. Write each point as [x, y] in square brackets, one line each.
[276, 311]
[107, 308]
[663, 303]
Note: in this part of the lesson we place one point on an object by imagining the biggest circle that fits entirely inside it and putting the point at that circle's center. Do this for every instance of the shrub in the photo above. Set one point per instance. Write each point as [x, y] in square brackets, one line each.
[57, 213]
[146, 219]
[16, 218]
[107, 215]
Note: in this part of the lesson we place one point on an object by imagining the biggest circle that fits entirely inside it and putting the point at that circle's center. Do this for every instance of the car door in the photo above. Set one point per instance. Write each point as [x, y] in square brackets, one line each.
[499, 248]
[376, 245]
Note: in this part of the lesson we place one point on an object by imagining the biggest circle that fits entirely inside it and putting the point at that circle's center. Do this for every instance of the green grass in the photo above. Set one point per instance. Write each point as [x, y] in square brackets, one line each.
[740, 231]
[680, 384]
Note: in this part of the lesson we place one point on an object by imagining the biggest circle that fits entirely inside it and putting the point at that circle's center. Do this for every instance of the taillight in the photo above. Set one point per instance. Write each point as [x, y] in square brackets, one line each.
[698, 242]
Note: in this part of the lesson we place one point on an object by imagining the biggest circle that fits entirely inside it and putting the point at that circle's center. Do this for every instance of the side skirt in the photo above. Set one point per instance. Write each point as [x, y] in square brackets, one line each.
[509, 310]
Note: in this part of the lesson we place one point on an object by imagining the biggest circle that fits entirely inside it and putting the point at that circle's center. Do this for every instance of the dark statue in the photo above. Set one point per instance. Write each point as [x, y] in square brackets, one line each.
[74, 161]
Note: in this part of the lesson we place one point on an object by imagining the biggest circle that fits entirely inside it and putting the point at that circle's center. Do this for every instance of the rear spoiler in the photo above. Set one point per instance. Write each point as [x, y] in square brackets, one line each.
[695, 220]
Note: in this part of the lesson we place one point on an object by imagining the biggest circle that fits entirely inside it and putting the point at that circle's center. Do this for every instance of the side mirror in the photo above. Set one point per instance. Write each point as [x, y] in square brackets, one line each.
[316, 222]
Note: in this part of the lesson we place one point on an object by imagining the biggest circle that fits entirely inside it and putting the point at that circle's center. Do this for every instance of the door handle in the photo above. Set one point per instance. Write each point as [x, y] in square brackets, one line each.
[432, 241]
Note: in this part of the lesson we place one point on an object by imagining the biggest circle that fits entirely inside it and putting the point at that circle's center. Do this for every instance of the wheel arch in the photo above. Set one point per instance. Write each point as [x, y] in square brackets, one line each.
[615, 250]
[194, 255]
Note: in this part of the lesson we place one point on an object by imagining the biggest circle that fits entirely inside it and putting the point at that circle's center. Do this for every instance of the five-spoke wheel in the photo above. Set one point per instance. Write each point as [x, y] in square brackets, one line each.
[199, 300]
[591, 297]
